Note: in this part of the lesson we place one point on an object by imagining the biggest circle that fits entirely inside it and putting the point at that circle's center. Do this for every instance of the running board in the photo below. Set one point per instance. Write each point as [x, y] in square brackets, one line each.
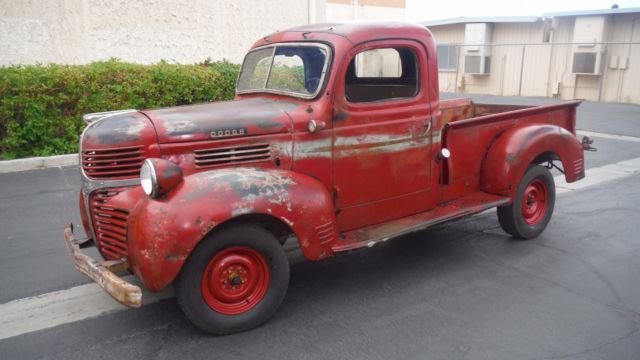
[464, 206]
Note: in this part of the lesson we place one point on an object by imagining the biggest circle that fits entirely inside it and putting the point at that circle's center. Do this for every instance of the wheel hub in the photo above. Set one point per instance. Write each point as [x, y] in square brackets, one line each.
[235, 280]
[535, 202]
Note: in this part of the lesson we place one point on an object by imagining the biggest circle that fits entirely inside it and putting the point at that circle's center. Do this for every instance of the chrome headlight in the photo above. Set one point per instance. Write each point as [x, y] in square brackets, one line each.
[148, 178]
[159, 176]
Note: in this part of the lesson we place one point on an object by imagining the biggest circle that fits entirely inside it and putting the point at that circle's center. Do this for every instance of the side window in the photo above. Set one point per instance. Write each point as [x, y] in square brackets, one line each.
[382, 74]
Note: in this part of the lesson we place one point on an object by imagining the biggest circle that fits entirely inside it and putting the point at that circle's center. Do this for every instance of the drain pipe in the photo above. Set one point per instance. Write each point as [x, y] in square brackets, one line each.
[311, 16]
[354, 7]
[628, 59]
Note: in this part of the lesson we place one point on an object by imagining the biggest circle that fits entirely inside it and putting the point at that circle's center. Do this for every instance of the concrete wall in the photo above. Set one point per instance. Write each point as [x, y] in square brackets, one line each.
[142, 31]
[547, 67]
[341, 12]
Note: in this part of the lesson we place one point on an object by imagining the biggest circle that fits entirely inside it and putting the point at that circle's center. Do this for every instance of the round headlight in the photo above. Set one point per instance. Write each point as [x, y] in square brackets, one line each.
[159, 176]
[148, 178]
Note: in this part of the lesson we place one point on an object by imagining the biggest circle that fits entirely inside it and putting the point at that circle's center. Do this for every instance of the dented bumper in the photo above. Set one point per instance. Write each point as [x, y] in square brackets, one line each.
[103, 273]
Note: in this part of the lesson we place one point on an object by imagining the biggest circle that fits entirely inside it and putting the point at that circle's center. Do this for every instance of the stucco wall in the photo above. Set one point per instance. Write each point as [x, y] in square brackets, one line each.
[345, 12]
[142, 31]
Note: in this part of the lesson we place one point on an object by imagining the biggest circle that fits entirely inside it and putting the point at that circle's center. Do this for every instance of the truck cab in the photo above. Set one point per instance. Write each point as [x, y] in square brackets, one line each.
[336, 138]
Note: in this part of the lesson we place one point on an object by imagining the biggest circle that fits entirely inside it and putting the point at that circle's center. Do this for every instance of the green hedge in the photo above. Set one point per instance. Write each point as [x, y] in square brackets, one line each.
[41, 107]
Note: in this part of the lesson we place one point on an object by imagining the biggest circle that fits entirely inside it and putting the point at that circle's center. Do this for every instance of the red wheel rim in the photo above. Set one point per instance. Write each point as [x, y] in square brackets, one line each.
[235, 280]
[535, 202]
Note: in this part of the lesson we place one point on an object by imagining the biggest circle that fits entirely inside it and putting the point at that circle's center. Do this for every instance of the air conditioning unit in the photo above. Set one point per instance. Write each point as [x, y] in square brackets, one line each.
[588, 35]
[477, 48]
[477, 64]
[586, 62]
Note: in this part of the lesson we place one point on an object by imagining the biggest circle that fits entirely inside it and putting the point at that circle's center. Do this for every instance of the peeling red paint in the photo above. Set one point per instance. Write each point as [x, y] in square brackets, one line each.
[371, 173]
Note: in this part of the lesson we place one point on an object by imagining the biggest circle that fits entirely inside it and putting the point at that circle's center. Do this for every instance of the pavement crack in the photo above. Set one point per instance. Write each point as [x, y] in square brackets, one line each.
[164, 339]
[626, 313]
[590, 350]
[591, 268]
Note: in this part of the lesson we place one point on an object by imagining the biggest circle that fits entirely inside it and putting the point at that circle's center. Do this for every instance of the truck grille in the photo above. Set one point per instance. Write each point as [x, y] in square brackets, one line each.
[119, 163]
[232, 155]
[109, 224]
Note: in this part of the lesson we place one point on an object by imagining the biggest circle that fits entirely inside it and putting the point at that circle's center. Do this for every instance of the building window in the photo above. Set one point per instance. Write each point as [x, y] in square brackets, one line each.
[382, 74]
[447, 57]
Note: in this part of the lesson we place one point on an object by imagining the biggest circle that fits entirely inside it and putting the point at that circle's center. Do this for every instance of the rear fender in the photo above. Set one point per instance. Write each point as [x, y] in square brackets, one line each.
[164, 231]
[515, 149]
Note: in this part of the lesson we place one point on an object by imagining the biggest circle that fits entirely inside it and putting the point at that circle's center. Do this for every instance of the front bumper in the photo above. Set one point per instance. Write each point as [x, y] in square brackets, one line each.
[103, 273]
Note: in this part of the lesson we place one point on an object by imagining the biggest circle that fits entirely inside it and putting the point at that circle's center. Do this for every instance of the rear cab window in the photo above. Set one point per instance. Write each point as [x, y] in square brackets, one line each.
[382, 74]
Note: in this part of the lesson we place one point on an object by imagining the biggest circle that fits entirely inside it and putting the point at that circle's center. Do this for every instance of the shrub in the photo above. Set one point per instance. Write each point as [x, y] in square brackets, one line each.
[41, 107]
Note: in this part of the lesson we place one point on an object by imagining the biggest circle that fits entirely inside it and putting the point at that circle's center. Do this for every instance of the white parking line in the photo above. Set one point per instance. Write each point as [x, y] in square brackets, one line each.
[88, 301]
[609, 136]
[44, 311]
[599, 175]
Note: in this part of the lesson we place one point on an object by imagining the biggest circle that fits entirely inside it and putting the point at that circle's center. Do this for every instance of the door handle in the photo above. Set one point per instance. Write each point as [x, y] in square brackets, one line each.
[427, 125]
[315, 125]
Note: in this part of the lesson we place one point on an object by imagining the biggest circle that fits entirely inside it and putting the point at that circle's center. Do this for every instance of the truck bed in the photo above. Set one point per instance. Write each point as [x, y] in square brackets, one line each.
[461, 109]
[468, 130]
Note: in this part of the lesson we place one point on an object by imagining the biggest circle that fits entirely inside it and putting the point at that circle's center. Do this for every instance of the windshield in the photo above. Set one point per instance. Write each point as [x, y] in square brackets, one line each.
[291, 69]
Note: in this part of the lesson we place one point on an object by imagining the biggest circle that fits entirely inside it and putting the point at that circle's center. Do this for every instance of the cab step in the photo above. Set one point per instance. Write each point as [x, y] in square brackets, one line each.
[464, 206]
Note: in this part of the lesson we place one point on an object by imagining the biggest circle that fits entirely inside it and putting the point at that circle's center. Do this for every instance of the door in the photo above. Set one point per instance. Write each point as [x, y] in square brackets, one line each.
[382, 131]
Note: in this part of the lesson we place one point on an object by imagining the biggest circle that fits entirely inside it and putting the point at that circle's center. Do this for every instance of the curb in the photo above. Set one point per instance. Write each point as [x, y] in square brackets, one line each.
[34, 163]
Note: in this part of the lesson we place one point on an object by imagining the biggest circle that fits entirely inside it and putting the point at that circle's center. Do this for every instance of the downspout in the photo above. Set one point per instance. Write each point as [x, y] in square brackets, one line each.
[354, 7]
[311, 16]
[628, 59]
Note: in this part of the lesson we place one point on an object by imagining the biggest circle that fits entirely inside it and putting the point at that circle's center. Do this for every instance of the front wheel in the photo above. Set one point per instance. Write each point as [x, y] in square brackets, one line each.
[234, 280]
[532, 207]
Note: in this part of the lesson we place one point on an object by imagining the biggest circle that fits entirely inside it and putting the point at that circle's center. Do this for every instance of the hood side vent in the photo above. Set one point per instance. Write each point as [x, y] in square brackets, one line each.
[232, 155]
[114, 163]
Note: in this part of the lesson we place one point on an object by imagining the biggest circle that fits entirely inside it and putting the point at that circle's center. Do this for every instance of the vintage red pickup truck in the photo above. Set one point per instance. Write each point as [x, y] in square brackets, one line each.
[336, 138]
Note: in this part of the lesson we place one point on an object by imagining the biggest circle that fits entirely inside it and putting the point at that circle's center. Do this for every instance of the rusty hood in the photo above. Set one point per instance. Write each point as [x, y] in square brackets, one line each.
[244, 117]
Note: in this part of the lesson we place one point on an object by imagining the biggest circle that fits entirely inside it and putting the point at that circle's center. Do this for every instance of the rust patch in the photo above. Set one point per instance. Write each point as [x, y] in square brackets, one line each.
[125, 293]
[341, 116]
[117, 129]
[174, 257]
[205, 230]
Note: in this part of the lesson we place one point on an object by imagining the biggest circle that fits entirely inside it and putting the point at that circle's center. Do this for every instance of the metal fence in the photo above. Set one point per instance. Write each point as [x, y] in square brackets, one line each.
[594, 71]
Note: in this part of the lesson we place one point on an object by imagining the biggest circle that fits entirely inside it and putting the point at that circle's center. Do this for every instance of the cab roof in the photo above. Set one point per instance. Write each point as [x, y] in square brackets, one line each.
[355, 32]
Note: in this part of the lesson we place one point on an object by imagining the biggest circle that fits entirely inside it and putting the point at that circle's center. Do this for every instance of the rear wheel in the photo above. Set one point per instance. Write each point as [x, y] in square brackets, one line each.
[234, 280]
[532, 207]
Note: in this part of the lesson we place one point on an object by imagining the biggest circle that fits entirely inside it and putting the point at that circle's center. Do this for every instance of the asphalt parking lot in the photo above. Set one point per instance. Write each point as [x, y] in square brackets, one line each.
[463, 290]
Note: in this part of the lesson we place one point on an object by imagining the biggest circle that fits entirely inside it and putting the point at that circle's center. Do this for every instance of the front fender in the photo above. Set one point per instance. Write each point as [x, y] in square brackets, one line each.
[164, 231]
[515, 149]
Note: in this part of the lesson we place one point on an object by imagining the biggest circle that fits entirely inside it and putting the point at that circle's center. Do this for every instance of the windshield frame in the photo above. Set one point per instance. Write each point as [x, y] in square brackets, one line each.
[321, 83]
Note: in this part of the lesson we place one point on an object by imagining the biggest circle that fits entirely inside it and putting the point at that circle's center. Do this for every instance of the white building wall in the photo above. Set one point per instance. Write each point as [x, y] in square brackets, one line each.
[548, 66]
[345, 12]
[143, 31]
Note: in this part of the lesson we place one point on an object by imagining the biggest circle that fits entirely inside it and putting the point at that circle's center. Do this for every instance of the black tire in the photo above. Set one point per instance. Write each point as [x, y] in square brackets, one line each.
[529, 223]
[190, 287]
